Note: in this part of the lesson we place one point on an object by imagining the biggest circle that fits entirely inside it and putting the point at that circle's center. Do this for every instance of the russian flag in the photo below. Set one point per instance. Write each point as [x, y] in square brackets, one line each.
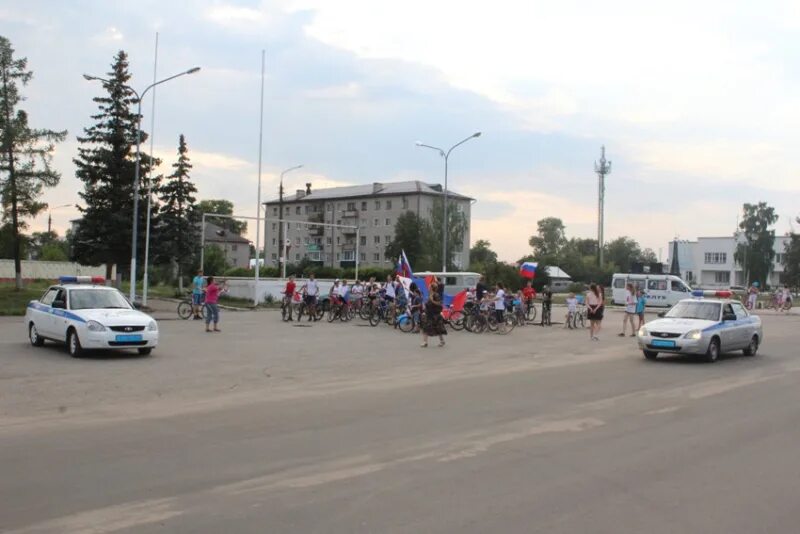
[403, 267]
[528, 269]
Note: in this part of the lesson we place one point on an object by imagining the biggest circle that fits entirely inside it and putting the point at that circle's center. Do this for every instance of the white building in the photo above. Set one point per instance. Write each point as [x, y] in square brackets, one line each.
[709, 262]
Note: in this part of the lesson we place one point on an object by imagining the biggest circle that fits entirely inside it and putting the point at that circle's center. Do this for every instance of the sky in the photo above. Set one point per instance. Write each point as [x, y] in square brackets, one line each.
[697, 103]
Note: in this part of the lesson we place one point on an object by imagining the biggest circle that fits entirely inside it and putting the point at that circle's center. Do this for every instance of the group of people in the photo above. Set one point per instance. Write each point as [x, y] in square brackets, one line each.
[205, 293]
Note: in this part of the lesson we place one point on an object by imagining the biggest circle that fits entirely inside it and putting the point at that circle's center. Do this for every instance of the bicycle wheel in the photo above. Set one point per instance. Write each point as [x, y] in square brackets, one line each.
[457, 321]
[375, 317]
[332, 313]
[491, 323]
[347, 314]
[365, 311]
[285, 311]
[405, 323]
[530, 313]
[184, 309]
[506, 325]
[580, 320]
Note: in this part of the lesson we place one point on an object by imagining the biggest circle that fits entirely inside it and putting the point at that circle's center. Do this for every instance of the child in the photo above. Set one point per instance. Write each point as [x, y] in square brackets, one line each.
[212, 304]
[572, 309]
[641, 304]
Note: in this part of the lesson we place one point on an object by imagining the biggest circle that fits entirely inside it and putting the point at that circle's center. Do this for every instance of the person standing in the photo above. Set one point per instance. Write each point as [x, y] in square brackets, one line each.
[434, 322]
[641, 304]
[312, 292]
[630, 310]
[594, 311]
[752, 296]
[500, 303]
[480, 289]
[213, 292]
[288, 296]
[547, 304]
[198, 288]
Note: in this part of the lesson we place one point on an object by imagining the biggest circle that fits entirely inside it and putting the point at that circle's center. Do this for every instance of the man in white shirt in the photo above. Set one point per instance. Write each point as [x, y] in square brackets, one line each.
[500, 302]
[343, 291]
[312, 291]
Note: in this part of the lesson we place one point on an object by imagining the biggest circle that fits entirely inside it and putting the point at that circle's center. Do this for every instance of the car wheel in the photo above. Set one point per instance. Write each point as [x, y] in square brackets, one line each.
[752, 348]
[650, 354]
[145, 351]
[33, 335]
[74, 344]
[712, 354]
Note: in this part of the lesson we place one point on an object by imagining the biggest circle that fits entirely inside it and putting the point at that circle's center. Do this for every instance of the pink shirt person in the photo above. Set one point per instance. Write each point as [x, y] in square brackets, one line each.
[212, 293]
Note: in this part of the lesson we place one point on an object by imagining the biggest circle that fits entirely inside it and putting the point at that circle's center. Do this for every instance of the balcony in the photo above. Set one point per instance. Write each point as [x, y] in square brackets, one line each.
[316, 231]
[350, 214]
[348, 231]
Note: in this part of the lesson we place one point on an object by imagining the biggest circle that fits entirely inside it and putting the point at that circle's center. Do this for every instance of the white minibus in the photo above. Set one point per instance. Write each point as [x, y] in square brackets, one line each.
[454, 282]
[660, 289]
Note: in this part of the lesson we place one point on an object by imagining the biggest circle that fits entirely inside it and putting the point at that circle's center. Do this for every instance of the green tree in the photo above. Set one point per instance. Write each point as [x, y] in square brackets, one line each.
[53, 252]
[214, 261]
[47, 246]
[178, 230]
[7, 242]
[223, 207]
[433, 236]
[106, 165]
[409, 232]
[25, 154]
[622, 252]
[757, 253]
[791, 261]
[550, 237]
[481, 254]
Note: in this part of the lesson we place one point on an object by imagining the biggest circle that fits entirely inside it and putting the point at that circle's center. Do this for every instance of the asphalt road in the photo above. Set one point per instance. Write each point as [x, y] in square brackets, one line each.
[270, 428]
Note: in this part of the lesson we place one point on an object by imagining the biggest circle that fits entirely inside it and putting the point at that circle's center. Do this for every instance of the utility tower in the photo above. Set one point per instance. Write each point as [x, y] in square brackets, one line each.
[602, 168]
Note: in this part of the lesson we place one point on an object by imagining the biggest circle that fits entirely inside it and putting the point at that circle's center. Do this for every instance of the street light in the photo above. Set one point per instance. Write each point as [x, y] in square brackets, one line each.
[280, 223]
[138, 162]
[446, 156]
[50, 215]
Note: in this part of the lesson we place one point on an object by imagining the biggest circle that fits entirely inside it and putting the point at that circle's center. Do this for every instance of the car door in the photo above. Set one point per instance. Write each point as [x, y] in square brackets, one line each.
[728, 333]
[59, 320]
[41, 314]
[744, 327]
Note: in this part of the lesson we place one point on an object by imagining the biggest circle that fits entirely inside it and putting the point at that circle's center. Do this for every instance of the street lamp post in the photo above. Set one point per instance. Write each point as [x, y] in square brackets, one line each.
[280, 218]
[446, 156]
[50, 216]
[135, 226]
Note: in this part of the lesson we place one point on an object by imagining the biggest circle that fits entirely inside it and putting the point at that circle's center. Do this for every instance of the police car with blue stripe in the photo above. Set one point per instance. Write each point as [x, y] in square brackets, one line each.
[85, 314]
[701, 325]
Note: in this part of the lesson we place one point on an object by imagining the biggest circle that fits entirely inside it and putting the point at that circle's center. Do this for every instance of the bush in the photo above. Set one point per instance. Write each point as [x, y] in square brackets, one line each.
[239, 271]
[577, 288]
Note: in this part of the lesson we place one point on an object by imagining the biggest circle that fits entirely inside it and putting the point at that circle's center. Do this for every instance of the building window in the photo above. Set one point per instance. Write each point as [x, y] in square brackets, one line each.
[363, 240]
[388, 204]
[338, 240]
[274, 212]
[306, 241]
[338, 256]
[388, 239]
[308, 209]
[716, 258]
[388, 222]
[363, 256]
[405, 203]
[338, 222]
[274, 256]
[273, 241]
[297, 210]
[297, 257]
[329, 240]
[234, 248]
[364, 206]
[297, 226]
[351, 206]
[349, 255]
[376, 256]
[377, 222]
[689, 276]
[274, 227]
[297, 240]
[377, 240]
[288, 210]
[779, 258]
[329, 207]
[377, 204]
[722, 277]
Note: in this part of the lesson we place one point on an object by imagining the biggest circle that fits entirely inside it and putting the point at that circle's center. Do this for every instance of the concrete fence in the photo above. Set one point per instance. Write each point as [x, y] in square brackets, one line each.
[243, 287]
[49, 270]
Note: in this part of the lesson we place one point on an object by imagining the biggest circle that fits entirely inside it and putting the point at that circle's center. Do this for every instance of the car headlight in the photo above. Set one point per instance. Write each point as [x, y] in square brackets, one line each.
[94, 326]
[643, 332]
[152, 327]
[693, 334]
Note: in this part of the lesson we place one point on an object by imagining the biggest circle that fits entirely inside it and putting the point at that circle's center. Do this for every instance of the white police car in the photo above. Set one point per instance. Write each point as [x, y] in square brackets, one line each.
[86, 315]
[703, 326]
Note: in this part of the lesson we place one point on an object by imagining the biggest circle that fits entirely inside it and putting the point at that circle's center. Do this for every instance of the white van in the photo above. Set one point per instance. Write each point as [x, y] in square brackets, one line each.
[660, 289]
[454, 282]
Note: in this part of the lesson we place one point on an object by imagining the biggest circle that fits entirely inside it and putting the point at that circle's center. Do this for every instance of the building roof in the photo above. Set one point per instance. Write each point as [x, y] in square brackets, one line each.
[214, 233]
[372, 190]
[557, 272]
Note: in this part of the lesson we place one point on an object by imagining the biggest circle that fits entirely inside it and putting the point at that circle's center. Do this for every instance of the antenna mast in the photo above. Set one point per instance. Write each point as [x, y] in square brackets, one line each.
[602, 168]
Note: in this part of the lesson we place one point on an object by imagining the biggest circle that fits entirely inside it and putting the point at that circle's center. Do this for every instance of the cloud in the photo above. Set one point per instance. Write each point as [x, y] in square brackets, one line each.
[111, 34]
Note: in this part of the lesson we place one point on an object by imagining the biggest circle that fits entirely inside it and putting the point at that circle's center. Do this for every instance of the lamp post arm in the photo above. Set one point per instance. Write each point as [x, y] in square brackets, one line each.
[458, 144]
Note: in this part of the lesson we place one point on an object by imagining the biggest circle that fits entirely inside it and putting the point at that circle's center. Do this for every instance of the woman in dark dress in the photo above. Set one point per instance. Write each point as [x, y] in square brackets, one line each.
[434, 322]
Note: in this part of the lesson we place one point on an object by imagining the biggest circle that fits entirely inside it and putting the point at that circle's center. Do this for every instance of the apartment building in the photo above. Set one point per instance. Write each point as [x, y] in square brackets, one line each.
[373, 208]
[709, 262]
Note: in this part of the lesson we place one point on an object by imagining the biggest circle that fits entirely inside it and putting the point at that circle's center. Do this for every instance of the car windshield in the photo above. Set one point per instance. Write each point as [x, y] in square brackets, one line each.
[707, 311]
[84, 299]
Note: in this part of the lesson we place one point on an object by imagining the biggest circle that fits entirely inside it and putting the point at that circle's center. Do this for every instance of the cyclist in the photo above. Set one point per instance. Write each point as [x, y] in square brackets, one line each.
[311, 289]
[787, 298]
[344, 295]
[288, 296]
[356, 295]
[528, 294]
[547, 302]
[198, 292]
[480, 289]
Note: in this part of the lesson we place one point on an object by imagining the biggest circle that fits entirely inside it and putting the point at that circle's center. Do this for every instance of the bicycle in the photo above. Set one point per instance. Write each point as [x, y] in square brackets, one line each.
[186, 308]
[546, 314]
[530, 311]
[579, 318]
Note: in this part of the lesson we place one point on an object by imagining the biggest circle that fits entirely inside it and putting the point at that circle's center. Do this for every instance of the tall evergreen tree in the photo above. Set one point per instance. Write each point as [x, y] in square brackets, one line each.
[178, 232]
[757, 254]
[25, 154]
[106, 164]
